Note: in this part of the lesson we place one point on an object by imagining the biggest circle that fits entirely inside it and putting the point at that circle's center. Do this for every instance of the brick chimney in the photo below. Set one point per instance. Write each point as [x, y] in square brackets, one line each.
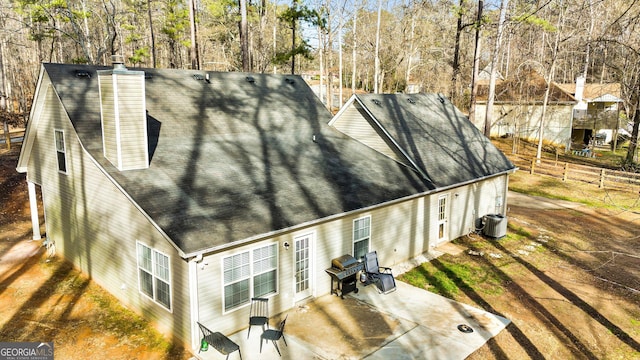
[124, 119]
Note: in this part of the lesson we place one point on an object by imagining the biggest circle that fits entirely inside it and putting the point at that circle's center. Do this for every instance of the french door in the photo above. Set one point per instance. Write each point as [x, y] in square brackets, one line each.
[303, 266]
[443, 219]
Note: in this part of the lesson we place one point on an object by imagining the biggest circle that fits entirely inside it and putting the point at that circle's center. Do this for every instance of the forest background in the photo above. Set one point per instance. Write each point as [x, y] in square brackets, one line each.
[381, 46]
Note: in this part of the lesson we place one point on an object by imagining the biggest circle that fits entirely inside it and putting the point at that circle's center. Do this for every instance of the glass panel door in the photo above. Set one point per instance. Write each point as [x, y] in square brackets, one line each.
[303, 270]
[443, 218]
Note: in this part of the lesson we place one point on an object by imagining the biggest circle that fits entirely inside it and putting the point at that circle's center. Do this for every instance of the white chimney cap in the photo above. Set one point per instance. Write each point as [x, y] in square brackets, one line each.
[117, 61]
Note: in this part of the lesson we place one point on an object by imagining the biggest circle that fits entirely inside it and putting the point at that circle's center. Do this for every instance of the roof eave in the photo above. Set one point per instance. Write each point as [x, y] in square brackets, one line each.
[273, 234]
[27, 142]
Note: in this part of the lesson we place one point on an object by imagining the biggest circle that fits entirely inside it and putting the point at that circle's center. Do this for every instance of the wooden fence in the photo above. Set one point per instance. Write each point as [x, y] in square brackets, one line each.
[603, 178]
[15, 137]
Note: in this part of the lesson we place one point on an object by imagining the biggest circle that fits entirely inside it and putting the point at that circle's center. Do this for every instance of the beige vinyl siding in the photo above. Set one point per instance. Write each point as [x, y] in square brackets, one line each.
[99, 230]
[328, 244]
[353, 123]
[107, 108]
[133, 122]
[331, 239]
[399, 231]
[471, 203]
[124, 122]
[46, 157]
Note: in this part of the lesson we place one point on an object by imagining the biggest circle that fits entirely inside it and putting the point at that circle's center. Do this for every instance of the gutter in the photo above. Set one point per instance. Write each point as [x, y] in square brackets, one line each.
[275, 233]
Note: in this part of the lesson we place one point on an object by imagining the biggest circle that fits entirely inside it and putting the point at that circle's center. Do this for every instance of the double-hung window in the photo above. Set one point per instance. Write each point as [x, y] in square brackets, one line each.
[250, 274]
[60, 151]
[361, 236]
[154, 275]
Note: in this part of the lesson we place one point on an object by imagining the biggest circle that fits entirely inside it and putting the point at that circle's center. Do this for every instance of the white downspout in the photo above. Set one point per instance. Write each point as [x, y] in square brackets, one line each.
[33, 206]
[193, 301]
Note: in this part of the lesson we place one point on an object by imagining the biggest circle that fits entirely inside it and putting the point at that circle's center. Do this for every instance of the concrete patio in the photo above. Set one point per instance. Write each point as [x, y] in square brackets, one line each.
[410, 323]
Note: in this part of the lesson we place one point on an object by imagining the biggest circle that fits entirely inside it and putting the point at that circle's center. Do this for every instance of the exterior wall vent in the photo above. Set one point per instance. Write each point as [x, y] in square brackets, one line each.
[495, 225]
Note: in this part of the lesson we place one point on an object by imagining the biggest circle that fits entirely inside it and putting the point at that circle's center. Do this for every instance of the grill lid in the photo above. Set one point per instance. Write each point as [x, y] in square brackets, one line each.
[344, 261]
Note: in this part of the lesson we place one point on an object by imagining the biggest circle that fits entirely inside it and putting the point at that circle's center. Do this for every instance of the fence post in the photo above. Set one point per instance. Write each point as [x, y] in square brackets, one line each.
[602, 175]
[565, 176]
[533, 164]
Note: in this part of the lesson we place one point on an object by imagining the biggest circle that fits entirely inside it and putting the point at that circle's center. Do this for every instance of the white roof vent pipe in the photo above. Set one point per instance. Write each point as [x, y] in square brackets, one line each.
[118, 62]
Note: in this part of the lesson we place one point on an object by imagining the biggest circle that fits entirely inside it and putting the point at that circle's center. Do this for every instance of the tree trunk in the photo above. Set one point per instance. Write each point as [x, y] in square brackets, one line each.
[293, 41]
[476, 66]
[193, 50]
[411, 50]
[244, 39]
[340, 62]
[494, 71]
[329, 59]
[353, 53]
[275, 29]
[321, 62]
[3, 98]
[87, 34]
[153, 38]
[456, 56]
[632, 152]
[376, 70]
[585, 71]
[549, 80]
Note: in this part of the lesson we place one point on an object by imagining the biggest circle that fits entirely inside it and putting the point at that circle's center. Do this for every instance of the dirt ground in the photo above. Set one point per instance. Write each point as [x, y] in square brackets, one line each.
[571, 287]
[43, 298]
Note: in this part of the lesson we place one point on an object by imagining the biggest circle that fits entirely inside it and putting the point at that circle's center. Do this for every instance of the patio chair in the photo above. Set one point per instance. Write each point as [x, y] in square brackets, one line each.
[274, 335]
[379, 275]
[259, 313]
[219, 341]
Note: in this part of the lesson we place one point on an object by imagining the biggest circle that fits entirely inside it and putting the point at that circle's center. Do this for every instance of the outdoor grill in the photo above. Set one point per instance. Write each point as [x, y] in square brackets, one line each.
[343, 272]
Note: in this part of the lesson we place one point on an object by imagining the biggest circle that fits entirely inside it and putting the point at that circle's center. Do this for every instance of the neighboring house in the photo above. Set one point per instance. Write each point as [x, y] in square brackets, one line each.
[518, 109]
[598, 108]
[184, 193]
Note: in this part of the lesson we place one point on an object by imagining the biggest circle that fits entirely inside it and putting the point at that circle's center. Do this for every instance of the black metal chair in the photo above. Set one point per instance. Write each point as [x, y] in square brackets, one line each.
[219, 341]
[274, 335]
[379, 275]
[259, 313]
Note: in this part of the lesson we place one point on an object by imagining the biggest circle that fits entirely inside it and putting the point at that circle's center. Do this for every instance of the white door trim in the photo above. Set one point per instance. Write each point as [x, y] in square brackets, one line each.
[303, 255]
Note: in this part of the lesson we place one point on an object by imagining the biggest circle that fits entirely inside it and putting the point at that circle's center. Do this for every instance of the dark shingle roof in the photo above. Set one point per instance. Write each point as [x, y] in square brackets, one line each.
[436, 136]
[232, 159]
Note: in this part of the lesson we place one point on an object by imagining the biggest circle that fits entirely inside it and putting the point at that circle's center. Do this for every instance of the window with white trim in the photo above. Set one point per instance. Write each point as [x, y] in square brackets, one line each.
[60, 151]
[250, 274]
[154, 275]
[361, 236]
